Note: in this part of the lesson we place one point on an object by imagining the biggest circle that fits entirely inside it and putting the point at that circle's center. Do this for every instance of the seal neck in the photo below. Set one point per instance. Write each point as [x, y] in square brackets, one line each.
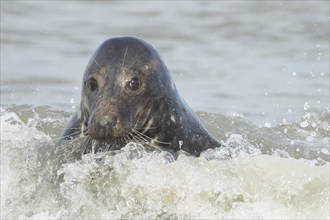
[184, 130]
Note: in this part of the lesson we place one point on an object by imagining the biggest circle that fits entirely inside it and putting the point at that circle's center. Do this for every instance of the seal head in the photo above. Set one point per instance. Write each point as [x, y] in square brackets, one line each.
[129, 95]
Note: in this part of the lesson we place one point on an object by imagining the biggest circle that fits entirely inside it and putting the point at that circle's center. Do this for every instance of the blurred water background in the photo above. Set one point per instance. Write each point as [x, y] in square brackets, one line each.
[256, 72]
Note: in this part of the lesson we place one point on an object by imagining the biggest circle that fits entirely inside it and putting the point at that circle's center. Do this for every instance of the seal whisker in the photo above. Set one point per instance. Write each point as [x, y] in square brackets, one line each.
[73, 128]
[127, 139]
[88, 143]
[134, 138]
[108, 147]
[144, 128]
[71, 147]
[149, 138]
[66, 143]
[137, 138]
[140, 137]
[113, 146]
[93, 144]
[144, 138]
[69, 135]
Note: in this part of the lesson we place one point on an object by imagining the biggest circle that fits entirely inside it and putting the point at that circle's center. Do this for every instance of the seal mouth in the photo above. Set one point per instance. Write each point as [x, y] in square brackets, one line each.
[108, 131]
[101, 144]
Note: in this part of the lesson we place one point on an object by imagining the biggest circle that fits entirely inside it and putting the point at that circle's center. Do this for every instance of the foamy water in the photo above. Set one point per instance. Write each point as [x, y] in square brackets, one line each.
[134, 183]
[257, 72]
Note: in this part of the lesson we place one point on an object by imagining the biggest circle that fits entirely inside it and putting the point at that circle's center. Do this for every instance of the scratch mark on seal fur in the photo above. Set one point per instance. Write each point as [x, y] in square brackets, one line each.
[125, 56]
[96, 61]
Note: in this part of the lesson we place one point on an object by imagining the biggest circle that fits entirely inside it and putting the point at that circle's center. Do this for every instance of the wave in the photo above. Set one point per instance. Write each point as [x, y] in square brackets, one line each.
[276, 172]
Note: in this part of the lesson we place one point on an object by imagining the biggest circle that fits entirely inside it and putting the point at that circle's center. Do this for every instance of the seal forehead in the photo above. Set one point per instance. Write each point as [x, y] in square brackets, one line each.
[125, 51]
[127, 54]
[126, 41]
[142, 67]
[127, 45]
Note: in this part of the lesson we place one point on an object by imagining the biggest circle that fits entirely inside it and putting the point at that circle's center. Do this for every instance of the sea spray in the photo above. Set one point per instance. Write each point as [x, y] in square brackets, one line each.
[134, 182]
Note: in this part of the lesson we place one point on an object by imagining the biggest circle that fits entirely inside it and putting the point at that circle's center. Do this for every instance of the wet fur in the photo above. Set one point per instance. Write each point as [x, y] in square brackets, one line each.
[154, 115]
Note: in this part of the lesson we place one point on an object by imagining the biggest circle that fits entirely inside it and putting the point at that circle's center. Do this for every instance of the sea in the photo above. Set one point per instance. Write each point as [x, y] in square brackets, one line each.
[255, 72]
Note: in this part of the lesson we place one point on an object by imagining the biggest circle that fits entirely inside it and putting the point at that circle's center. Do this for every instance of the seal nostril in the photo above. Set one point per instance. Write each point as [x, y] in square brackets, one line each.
[105, 120]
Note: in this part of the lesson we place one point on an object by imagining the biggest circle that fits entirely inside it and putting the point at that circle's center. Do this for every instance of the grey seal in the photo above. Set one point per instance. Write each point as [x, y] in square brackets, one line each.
[128, 95]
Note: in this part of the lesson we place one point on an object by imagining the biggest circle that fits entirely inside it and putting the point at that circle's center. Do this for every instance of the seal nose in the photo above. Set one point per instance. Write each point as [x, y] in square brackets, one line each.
[106, 121]
[109, 127]
[105, 126]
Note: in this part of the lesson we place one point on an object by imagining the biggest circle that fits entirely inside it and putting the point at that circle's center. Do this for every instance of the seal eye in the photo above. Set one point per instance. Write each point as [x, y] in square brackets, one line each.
[134, 84]
[92, 84]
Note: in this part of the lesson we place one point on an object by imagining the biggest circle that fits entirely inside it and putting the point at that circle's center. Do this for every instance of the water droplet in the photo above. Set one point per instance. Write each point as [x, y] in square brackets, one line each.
[285, 130]
[309, 138]
[289, 111]
[306, 106]
[180, 144]
[325, 151]
[304, 124]
[307, 115]
[267, 125]
[294, 74]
